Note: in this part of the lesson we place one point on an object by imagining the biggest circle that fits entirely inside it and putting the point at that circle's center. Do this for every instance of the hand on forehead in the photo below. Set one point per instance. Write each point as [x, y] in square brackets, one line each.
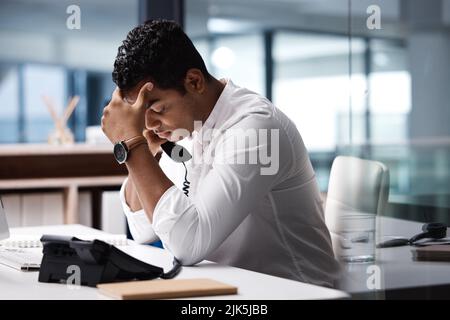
[142, 92]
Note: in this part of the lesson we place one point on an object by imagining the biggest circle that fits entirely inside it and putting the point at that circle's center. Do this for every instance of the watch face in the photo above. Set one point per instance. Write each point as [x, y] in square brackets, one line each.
[120, 152]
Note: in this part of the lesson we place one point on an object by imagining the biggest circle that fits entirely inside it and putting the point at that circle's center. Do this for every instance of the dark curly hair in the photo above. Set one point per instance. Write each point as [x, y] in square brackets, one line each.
[157, 50]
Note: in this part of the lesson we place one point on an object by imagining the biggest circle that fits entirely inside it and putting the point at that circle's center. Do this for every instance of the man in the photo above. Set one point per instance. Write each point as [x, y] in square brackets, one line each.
[244, 209]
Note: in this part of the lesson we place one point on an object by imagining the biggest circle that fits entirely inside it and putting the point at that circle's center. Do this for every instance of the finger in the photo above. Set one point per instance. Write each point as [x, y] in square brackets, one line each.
[154, 142]
[143, 95]
[153, 137]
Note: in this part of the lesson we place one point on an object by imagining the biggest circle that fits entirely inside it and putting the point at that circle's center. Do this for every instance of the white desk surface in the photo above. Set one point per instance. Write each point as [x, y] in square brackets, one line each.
[251, 285]
[398, 269]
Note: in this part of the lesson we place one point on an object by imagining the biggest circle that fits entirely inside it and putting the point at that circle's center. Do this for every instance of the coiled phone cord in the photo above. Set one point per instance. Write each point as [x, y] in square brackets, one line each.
[186, 183]
[177, 264]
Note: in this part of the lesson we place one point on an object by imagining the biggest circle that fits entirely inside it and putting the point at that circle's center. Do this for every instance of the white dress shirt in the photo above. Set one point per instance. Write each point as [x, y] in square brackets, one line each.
[263, 217]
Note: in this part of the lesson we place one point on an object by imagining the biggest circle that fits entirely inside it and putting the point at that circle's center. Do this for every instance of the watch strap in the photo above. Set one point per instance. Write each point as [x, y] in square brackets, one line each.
[134, 142]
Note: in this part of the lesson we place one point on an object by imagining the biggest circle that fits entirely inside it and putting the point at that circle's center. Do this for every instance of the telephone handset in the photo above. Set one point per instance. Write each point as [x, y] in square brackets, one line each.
[176, 152]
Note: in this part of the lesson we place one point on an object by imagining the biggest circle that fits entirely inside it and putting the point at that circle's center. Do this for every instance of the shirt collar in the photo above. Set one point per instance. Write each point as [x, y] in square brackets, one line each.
[218, 114]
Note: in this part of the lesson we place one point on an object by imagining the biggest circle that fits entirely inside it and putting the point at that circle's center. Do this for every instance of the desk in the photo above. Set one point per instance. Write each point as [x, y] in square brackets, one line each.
[251, 285]
[401, 277]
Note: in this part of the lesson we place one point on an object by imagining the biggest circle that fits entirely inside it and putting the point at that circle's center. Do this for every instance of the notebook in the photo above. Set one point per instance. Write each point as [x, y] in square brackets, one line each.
[26, 241]
[432, 253]
[164, 289]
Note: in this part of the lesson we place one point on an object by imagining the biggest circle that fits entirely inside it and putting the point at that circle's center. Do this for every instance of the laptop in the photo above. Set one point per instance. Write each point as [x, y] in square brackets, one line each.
[19, 259]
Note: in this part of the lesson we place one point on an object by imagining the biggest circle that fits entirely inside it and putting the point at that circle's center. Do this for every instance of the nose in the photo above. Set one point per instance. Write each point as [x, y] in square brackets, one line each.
[152, 122]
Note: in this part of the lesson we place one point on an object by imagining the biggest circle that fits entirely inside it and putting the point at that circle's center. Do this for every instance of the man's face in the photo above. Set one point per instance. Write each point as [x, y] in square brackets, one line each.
[167, 110]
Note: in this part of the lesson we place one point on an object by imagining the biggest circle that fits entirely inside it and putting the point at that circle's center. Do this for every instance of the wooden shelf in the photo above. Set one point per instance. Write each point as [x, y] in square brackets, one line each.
[20, 184]
[69, 168]
[46, 149]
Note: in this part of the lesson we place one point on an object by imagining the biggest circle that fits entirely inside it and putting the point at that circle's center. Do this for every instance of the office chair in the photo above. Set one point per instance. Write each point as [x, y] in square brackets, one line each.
[355, 185]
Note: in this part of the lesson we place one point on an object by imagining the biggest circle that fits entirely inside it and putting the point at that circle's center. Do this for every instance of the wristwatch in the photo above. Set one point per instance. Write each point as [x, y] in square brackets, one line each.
[123, 148]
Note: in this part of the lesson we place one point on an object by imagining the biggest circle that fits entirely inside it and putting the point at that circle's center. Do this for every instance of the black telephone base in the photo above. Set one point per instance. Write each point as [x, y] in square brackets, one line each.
[68, 259]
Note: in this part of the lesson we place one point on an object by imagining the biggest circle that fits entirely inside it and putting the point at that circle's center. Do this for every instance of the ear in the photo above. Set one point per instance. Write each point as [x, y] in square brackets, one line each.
[195, 81]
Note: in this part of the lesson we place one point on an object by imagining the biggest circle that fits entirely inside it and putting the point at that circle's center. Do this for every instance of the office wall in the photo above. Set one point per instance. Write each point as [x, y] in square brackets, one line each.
[373, 93]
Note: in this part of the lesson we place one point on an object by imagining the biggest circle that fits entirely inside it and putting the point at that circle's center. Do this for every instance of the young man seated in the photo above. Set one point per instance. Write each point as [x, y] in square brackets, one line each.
[253, 201]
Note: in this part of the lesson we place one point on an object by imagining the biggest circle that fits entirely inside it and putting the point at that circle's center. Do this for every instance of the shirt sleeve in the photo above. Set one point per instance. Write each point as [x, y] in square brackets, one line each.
[140, 227]
[192, 228]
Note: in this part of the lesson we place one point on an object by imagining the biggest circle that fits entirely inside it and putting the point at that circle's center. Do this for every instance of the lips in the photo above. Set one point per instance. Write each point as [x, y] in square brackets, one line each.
[164, 134]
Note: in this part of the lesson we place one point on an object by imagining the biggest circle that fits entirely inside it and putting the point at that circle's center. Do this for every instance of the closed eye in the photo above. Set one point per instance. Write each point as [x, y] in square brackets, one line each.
[150, 103]
[159, 110]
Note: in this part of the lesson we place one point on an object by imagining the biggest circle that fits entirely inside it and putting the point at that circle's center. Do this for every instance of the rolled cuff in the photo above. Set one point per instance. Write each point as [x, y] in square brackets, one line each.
[175, 220]
[140, 227]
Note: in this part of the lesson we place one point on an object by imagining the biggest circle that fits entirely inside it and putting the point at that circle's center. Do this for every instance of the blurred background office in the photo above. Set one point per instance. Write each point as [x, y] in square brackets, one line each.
[354, 85]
